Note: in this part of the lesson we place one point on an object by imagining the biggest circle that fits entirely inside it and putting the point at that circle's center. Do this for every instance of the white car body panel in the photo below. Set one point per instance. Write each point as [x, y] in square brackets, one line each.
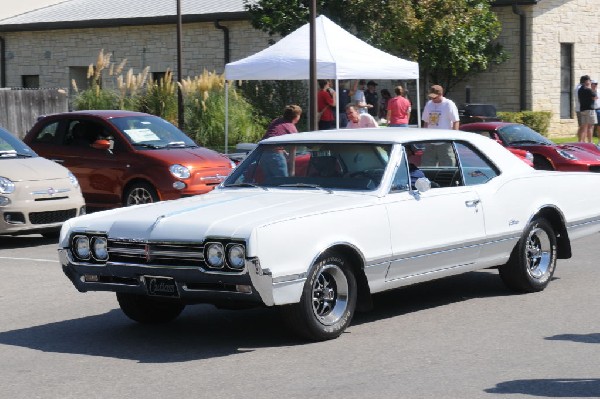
[400, 238]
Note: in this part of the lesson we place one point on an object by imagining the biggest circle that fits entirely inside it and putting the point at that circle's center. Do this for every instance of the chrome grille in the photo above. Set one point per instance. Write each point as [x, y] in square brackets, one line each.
[156, 254]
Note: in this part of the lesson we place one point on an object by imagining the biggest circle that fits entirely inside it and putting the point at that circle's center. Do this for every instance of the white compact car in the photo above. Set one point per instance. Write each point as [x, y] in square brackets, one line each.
[318, 222]
[36, 194]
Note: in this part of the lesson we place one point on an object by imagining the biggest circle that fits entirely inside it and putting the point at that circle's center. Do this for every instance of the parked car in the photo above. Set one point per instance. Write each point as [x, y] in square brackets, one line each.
[126, 158]
[547, 155]
[344, 218]
[36, 195]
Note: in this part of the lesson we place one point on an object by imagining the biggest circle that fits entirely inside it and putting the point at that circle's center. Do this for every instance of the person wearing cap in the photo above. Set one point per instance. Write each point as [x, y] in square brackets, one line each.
[439, 113]
[359, 96]
[587, 97]
[372, 98]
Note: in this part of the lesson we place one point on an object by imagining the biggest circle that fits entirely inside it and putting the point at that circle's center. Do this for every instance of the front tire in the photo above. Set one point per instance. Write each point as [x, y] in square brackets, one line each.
[533, 260]
[140, 193]
[148, 310]
[328, 300]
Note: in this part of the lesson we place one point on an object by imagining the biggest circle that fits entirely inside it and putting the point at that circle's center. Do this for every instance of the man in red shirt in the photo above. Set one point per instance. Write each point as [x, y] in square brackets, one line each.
[326, 105]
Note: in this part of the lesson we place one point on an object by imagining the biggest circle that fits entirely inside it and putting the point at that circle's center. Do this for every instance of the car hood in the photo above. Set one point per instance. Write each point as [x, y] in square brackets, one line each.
[223, 213]
[581, 152]
[31, 169]
[198, 156]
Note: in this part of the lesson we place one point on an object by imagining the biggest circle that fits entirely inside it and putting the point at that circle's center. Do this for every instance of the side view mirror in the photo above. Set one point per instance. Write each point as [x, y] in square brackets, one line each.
[423, 184]
[102, 145]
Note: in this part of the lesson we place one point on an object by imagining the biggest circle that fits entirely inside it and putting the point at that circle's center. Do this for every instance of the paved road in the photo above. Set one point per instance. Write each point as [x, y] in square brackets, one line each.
[462, 337]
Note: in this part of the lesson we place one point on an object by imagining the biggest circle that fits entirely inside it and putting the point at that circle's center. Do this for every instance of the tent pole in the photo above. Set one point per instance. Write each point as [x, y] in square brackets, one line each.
[226, 116]
[337, 103]
[418, 105]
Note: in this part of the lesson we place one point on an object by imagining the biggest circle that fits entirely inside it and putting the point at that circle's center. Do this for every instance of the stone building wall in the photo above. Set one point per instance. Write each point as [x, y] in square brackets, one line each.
[50, 54]
[549, 23]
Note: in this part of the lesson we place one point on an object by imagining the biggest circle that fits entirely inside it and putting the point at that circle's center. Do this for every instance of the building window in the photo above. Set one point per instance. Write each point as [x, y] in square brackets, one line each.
[30, 81]
[158, 76]
[566, 81]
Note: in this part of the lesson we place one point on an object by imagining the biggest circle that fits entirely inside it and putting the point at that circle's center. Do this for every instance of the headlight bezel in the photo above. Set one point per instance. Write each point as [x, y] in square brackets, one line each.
[7, 186]
[180, 171]
[232, 257]
[84, 240]
[73, 180]
[239, 250]
[93, 254]
[211, 262]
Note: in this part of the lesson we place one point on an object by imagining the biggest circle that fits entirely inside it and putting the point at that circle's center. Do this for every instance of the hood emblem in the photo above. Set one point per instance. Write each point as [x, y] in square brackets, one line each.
[147, 254]
[51, 191]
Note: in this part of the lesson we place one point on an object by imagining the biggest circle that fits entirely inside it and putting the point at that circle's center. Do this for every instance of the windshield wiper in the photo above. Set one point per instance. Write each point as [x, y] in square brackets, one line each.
[243, 184]
[6, 154]
[306, 185]
[146, 145]
[179, 144]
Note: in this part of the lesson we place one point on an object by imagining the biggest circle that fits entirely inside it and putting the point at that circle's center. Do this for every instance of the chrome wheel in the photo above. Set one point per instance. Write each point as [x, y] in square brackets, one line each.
[140, 193]
[538, 251]
[330, 294]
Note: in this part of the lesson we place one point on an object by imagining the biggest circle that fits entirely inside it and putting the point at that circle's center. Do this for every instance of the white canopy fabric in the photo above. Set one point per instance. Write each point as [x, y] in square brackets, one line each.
[340, 55]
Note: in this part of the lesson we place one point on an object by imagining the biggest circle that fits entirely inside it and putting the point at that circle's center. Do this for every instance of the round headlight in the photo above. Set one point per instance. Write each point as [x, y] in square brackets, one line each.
[215, 255]
[6, 186]
[81, 247]
[179, 171]
[73, 180]
[235, 256]
[100, 248]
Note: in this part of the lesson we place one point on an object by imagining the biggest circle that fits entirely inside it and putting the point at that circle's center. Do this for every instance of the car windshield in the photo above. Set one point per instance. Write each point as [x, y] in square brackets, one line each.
[522, 135]
[12, 147]
[320, 166]
[151, 132]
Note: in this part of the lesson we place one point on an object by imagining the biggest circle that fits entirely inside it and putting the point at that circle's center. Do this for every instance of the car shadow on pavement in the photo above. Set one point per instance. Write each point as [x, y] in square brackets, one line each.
[551, 387]
[593, 338]
[25, 241]
[203, 331]
[431, 294]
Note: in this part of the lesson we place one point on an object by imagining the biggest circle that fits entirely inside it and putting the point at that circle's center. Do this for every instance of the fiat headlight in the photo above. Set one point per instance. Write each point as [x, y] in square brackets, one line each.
[100, 248]
[236, 256]
[81, 247]
[180, 171]
[215, 255]
[73, 180]
[6, 186]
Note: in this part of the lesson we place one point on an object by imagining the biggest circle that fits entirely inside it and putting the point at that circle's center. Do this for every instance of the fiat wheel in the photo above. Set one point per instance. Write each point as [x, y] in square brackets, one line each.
[140, 193]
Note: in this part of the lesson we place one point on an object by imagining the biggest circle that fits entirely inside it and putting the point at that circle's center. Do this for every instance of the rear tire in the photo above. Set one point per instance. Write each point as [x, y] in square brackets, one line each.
[533, 260]
[328, 300]
[148, 310]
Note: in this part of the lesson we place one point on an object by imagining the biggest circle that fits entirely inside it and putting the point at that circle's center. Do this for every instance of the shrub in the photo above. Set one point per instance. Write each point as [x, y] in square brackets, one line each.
[537, 120]
[205, 113]
[160, 98]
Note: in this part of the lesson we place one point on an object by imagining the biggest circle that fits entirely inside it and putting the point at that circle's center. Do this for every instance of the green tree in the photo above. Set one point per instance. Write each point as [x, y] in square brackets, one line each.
[451, 40]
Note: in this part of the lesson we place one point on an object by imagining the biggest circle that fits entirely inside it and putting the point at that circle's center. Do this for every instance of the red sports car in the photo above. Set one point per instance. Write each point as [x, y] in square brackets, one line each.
[547, 155]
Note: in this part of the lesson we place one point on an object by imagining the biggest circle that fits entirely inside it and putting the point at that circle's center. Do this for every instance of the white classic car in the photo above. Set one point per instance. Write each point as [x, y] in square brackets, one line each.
[315, 223]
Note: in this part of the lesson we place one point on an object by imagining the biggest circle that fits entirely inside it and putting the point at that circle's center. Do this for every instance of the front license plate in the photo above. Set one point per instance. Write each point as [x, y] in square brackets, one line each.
[161, 286]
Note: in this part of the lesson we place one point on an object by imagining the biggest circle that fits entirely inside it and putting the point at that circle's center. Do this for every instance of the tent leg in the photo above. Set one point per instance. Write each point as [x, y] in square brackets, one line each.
[226, 116]
[418, 104]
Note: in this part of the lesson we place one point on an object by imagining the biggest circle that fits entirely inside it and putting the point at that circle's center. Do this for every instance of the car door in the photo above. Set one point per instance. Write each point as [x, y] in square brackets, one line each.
[437, 230]
[101, 173]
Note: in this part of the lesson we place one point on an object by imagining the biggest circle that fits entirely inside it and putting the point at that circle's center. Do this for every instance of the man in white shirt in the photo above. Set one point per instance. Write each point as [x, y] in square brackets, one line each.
[357, 120]
[439, 113]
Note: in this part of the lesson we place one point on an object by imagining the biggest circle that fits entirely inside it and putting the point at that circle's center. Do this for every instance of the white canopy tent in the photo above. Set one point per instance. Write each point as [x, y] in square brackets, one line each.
[340, 55]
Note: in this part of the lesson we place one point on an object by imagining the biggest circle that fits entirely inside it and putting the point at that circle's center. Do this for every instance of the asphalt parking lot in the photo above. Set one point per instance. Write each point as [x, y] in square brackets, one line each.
[461, 337]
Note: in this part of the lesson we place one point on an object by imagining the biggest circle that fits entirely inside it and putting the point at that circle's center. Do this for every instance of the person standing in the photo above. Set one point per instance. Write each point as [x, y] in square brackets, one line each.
[326, 105]
[386, 96]
[357, 120]
[587, 97]
[273, 162]
[358, 98]
[399, 108]
[345, 98]
[439, 113]
[582, 79]
[372, 98]
[597, 108]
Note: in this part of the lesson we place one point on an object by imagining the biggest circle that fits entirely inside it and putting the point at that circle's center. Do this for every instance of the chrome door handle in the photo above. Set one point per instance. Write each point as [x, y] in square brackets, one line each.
[58, 160]
[472, 203]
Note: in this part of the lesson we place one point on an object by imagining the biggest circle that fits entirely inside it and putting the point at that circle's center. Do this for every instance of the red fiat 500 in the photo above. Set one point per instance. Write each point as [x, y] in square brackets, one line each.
[125, 158]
